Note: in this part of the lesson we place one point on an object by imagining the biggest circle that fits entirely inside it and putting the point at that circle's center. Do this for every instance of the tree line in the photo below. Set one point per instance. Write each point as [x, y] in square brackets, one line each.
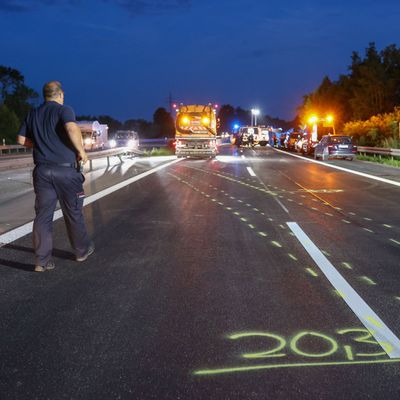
[363, 102]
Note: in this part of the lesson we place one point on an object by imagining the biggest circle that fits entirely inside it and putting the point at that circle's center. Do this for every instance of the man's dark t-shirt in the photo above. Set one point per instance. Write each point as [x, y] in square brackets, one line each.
[44, 126]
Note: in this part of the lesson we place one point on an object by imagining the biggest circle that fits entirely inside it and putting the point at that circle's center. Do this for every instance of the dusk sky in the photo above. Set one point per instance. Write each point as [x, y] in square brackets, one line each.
[123, 58]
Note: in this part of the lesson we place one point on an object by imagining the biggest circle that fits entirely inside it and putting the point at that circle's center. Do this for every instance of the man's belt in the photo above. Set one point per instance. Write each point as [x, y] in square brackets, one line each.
[51, 164]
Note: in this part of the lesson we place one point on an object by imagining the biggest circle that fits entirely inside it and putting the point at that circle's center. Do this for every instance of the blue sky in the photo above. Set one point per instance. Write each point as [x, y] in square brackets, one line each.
[123, 57]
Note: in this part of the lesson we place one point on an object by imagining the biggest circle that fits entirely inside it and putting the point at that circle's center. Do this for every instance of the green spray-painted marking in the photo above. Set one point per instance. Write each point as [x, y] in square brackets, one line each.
[369, 281]
[387, 226]
[292, 257]
[275, 243]
[349, 352]
[262, 234]
[264, 354]
[374, 322]
[347, 265]
[228, 208]
[243, 219]
[251, 226]
[395, 241]
[367, 219]
[345, 221]
[368, 230]
[311, 272]
[340, 293]
[256, 209]
[219, 371]
[296, 350]
[326, 253]
[236, 213]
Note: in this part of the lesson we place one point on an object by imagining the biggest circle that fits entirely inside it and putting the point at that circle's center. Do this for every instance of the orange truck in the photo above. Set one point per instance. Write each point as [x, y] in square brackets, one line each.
[196, 131]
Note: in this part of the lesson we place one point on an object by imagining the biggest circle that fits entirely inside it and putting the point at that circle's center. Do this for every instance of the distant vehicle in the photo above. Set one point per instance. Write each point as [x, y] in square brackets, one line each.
[94, 135]
[312, 138]
[252, 135]
[122, 138]
[335, 146]
[291, 140]
[196, 131]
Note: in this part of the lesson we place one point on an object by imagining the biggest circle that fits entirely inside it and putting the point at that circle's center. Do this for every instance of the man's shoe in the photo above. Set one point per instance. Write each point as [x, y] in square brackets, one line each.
[48, 266]
[87, 254]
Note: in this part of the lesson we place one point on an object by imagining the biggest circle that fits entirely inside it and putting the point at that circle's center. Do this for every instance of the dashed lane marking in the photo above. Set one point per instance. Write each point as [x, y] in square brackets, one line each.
[250, 171]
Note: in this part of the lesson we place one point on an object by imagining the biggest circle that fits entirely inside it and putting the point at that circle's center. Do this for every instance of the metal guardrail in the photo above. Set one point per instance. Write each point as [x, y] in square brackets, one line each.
[24, 162]
[13, 148]
[117, 152]
[381, 151]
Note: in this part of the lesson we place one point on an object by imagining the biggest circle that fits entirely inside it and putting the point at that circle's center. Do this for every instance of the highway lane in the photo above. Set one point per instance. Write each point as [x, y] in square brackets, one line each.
[17, 197]
[200, 290]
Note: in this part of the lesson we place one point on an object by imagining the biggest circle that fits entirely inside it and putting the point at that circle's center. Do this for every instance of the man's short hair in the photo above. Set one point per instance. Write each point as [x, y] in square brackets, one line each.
[52, 89]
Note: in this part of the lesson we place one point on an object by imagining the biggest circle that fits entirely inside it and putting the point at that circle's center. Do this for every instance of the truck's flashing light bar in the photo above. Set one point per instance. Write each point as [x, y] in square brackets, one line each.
[176, 108]
[185, 120]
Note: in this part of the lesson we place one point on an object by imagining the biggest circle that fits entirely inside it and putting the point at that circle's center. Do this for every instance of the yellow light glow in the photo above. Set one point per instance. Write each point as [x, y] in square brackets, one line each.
[205, 120]
[185, 120]
[313, 119]
[329, 118]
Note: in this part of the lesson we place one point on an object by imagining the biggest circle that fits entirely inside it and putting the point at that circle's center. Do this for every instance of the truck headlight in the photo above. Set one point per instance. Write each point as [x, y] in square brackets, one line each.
[88, 141]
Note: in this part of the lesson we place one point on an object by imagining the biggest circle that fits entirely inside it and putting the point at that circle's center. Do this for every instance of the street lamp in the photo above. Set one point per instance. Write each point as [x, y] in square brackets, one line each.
[255, 112]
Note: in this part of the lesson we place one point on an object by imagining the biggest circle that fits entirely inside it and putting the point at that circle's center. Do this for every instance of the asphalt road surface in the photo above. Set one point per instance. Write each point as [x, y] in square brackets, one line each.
[253, 276]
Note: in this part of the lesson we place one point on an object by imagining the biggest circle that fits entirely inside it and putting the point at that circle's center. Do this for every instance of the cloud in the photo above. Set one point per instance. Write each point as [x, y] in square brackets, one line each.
[30, 5]
[152, 7]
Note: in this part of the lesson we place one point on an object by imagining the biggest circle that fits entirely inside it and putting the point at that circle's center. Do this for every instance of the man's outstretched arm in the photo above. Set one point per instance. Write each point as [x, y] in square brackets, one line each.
[24, 141]
[75, 136]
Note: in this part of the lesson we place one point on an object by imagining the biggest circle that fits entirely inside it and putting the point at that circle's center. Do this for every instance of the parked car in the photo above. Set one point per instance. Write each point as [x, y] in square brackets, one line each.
[128, 139]
[335, 146]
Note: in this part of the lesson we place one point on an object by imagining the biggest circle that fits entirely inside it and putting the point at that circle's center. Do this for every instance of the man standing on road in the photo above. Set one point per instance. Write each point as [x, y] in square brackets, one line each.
[56, 139]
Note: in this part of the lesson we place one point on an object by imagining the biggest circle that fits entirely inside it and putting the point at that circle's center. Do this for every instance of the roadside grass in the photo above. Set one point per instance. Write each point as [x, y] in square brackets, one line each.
[158, 152]
[395, 162]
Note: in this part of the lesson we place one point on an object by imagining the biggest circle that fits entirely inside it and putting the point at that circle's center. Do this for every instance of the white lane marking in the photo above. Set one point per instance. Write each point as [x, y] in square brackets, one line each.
[280, 203]
[251, 172]
[17, 233]
[382, 334]
[377, 178]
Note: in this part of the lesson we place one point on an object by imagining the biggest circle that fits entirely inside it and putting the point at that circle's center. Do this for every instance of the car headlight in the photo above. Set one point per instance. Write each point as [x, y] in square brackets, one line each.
[112, 143]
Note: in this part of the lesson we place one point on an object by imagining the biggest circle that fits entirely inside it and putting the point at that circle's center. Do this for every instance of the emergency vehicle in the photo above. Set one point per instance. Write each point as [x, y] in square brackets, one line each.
[196, 131]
